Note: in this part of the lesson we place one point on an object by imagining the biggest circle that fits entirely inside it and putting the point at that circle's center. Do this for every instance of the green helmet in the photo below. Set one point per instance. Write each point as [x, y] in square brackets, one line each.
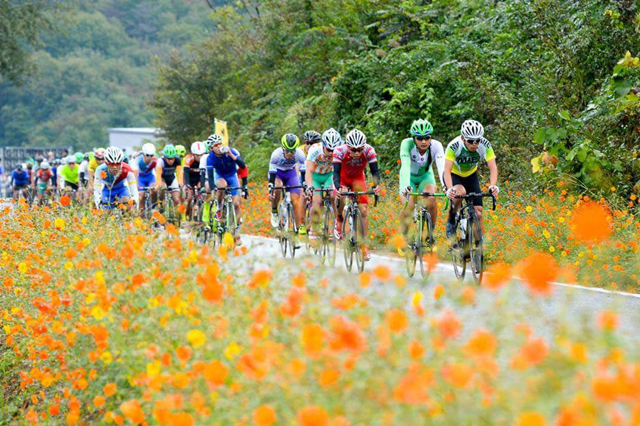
[169, 151]
[290, 141]
[181, 150]
[79, 157]
[421, 128]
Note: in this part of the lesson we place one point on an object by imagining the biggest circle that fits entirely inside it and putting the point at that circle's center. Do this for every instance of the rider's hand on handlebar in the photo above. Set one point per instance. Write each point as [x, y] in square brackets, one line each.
[494, 190]
[406, 191]
[377, 190]
[451, 193]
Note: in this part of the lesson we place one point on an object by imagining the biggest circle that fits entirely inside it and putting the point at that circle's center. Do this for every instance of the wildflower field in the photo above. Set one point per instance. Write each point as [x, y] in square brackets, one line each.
[108, 321]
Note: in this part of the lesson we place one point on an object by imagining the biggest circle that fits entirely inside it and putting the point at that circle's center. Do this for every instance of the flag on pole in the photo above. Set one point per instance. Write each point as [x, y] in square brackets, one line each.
[220, 129]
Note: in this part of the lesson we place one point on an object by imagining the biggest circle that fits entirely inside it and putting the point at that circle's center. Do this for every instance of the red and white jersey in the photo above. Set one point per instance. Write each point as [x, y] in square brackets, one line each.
[353, 166]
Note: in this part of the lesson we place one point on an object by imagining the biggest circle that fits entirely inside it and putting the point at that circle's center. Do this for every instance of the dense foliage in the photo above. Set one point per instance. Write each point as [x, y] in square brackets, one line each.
[547, 78]
[96, 70]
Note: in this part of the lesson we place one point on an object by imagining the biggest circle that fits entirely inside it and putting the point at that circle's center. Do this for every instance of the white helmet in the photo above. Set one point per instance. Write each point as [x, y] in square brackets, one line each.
[149, 149]
[113, 155]
[44, 165]
[471, 129]
[356, 139]
[71, 159]
[331, 139]
[99, 153]
[214, 139]
[198, 148]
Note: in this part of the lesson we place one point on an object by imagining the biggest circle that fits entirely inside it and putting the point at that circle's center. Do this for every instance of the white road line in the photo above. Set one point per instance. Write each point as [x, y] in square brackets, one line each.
[449, 267]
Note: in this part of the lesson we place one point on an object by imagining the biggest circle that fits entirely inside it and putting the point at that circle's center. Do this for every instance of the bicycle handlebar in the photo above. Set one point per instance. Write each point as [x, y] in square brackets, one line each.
[478, 194]
[287, 188]
[356, 193]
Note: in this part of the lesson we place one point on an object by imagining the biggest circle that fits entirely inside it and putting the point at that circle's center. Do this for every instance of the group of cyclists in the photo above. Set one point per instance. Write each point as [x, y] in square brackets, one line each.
[324, 162]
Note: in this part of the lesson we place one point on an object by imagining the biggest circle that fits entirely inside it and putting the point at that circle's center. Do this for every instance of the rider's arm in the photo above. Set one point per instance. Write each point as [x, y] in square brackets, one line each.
[180, 174]
[375, 172]
[272, 178]
[437, 153]
[448, 181]
[133, 187]
[493, 171]
[187, 178]
[159, 173]
[405, 163]
[98, 183]
[311, 167]
[337, 167]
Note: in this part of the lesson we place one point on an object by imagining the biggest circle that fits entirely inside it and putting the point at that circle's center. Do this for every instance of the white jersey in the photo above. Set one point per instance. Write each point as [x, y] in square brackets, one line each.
[280, 162]
[84, 168]
[203, 161]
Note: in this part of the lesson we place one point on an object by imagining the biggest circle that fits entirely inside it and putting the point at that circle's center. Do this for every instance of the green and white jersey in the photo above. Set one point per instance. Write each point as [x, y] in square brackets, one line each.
[415, 164]
[465, 162]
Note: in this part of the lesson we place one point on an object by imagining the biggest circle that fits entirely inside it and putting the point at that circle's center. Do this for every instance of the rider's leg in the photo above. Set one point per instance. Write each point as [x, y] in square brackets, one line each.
[405, 215]
[432, 206]
[276, 196]
[298, 208]
[316, 209]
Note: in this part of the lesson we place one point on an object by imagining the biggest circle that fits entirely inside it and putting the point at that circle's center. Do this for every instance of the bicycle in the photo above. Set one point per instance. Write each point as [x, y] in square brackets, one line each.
[326, 248]
[287, 227]
[468, 245]
[148, 205]
[420, 241]
[228, 221]
[203, 230]
[169, 209]
[353, 229]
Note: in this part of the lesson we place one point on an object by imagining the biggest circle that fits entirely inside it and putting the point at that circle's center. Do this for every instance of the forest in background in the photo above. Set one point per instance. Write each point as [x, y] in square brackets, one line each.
[92, 65]
[551, 80]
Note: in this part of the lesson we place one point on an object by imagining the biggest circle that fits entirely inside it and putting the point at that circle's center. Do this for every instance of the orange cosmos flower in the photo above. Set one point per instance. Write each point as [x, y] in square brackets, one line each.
[608, 320]
[264, 415]
[109, 389]
[397, 321]
[532, 353]
[215, 373]
[448, 325]
[312, 340]
[481, 343]
[328, 377]
[416, 350]
[531, 419]
[538, 270]
[497, 275]
[133, 411]
[382, 272]
[313, 415]
[413, 387]
[458, 375]
[65, 200]
[591, 223]
[365, 279]
[98, 401]
[346, 335]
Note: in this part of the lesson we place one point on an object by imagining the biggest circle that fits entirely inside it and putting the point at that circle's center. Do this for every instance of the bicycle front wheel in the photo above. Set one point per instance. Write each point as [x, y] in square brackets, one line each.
[474, 235]
[328, 248]
[425, 238]
[458, 257]
[292, 234]
[358, 235]
[348, 247]
[411, 255]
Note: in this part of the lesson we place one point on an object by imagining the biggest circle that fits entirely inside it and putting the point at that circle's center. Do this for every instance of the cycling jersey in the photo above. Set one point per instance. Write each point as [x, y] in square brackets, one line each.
[279, 162]
[223, 165]
[323, 162]
[93, 165]
[465, 162]
[20, 178]
[145, 169]
[70, 175]
[353, 167]
[171, 174]
[44, 175]
[416, 168]
[191, 170]
[109, 188]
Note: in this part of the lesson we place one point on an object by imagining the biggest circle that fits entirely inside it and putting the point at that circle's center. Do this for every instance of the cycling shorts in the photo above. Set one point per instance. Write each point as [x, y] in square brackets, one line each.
[173, 186]
[42, 186]
[19, 186]
[146, 181]
[289, 178]
[470, 184]
[419, 182]
[73, 186]
[322, 181]
[115, 193]
[355, 184]
[232, 182]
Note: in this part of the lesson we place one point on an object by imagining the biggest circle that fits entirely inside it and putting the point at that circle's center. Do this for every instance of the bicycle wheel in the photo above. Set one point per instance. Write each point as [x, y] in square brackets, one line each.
[307, 221]
[347, 243]
[426, 242]
[458, 257]
[292, 234]
[474, 235]
[359, 240]
[411, 255]
[283, 228]
[328, 248]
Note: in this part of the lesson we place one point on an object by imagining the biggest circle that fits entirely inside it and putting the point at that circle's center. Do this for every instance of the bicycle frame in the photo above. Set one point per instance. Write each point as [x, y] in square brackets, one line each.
[287, 237]
[422, 242]
[353, 219]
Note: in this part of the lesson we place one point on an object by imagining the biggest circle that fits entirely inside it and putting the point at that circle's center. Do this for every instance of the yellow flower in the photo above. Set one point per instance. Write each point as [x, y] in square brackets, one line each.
[196, 338]
[529, 209]
[232, 350]
[416, 300]
[59, 223]
[23, 267]
[552, 249]
[86, 242]
[85, 220]
[546, 234]
[106, 357]
[68, 266]
[153, 368]
[97, 312]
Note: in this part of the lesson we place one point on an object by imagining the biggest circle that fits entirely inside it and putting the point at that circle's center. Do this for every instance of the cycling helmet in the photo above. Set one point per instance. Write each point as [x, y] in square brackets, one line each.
[331, 139]
[44, 165]
[290, 141]
[79, 157]
[356, 139]
[421, 128]
[113, 155]
[71, 159]
[149, 149]
[29, 166]
[181, 150]
[198, 148]
[471, 129]
[99, 153]
[214, 139]
[311, 136]
[169, 151]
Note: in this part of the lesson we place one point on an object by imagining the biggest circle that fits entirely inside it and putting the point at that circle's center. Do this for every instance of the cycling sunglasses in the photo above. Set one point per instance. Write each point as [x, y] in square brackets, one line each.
[423, 138]
[473, 141]
[356, 149]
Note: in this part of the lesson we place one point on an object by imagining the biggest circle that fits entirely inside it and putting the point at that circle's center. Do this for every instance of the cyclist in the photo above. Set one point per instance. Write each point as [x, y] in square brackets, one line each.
[460, 169]
[144, 167]
[349, 163]
[223, 163]
[98, 159]
[417, 154]
[44, 179]
[20, 181]
[319, 169]
[70, 176]
[282, 172]
[169, 173]
[311, 137]
[182, 152]
[115, 181]
[193, 180]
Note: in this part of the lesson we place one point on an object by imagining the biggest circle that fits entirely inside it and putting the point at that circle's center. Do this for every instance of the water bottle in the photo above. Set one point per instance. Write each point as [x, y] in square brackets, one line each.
[463, 228]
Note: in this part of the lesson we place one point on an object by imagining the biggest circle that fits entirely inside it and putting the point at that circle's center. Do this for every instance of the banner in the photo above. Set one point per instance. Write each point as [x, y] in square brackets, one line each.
[220, 128]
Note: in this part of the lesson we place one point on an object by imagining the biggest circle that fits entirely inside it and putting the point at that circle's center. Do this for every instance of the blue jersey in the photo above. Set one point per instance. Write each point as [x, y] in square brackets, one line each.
[145, 169]
[20, 178]
[224, 166]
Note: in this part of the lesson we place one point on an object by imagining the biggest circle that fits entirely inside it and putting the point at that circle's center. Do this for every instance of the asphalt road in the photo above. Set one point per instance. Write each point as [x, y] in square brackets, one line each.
[569, 307]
